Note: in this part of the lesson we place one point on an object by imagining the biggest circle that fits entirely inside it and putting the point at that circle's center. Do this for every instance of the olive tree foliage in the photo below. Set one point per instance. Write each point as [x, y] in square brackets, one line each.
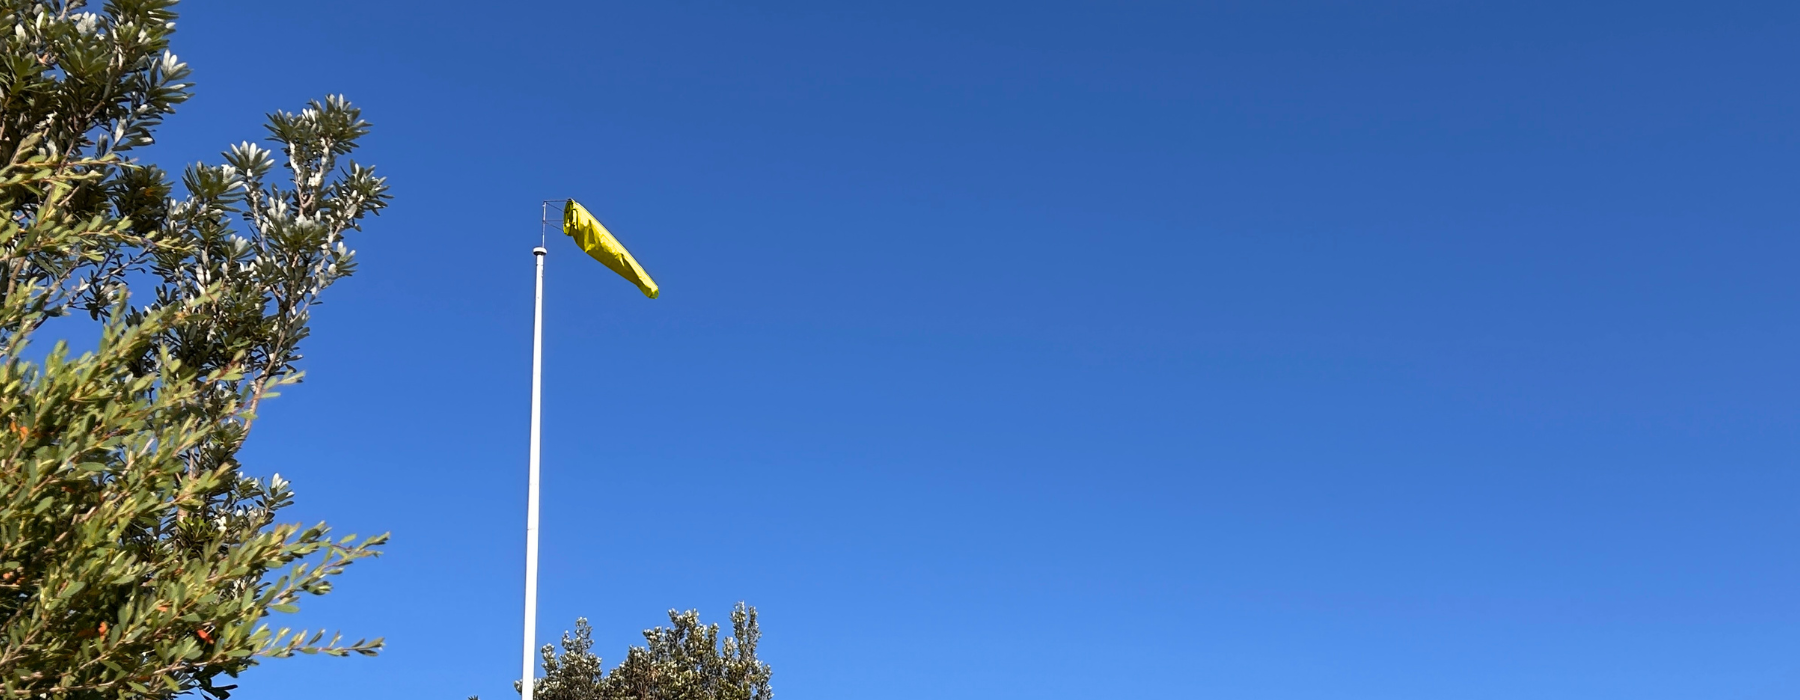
[138, 558]
[684, 661]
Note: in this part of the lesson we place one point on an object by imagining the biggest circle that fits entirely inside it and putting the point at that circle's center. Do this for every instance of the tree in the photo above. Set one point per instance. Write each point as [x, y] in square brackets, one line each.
[138, 557]
[684, 661]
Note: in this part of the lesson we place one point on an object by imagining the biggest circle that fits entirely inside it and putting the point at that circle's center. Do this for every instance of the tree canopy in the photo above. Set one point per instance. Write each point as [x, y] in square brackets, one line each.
[138, 556]
[684, 661]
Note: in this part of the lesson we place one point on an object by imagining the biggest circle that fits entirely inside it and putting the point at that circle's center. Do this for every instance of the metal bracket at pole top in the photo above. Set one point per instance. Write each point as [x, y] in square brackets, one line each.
[544, 223]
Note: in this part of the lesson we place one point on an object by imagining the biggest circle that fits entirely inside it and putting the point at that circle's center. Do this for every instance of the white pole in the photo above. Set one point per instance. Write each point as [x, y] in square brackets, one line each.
[531, 503]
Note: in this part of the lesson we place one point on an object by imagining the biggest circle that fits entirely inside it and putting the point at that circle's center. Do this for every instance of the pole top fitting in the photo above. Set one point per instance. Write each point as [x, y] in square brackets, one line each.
[538, 250]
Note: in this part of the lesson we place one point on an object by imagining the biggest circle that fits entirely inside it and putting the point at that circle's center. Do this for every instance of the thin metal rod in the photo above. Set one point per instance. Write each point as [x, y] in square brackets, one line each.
[544, 221]
[531, 507]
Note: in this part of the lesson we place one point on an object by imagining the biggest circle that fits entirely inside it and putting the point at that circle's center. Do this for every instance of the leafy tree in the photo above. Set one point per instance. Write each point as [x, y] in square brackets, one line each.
[684, 661]
[137, 556]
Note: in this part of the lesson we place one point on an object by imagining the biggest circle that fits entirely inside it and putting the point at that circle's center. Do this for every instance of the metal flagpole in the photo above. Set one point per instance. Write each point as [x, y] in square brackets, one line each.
[531, 507]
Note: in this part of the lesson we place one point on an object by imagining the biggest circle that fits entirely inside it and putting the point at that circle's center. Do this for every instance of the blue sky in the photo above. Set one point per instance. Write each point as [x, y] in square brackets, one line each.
[1058, 350]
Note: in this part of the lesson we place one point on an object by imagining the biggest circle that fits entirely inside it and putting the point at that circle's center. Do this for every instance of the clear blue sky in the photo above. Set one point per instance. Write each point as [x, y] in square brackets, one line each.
[1051, 350]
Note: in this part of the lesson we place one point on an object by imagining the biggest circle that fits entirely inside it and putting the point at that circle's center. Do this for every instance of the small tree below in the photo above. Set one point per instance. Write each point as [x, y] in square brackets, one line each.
[684, 661]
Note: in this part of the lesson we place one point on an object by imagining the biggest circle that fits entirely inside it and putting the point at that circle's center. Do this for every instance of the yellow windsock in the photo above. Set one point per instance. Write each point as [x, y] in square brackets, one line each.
[598, 242]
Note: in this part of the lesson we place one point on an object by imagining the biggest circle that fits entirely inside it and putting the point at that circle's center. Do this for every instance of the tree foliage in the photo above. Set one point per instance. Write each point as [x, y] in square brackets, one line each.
[684, 661]
[138, 558]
